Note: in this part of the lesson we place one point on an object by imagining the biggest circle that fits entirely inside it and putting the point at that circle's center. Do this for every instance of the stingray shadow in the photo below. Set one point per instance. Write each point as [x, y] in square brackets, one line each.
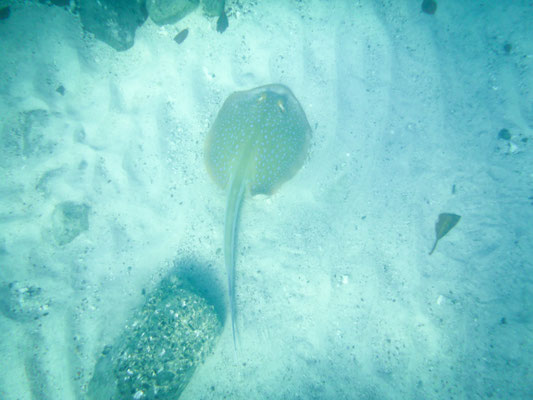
[201, 279]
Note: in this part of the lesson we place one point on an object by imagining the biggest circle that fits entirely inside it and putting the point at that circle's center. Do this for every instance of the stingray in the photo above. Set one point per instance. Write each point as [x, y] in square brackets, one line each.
[445, 223]
[259, 140]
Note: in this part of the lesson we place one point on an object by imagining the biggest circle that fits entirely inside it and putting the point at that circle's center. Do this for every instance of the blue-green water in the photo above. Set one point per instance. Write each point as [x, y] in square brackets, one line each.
[104, 192]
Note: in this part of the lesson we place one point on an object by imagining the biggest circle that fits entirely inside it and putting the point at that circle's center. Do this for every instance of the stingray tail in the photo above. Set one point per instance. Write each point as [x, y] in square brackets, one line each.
[434, 247]
[233, 206]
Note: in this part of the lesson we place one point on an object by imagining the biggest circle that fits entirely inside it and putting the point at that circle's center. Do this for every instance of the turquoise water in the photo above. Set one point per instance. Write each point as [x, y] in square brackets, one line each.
[104, 192]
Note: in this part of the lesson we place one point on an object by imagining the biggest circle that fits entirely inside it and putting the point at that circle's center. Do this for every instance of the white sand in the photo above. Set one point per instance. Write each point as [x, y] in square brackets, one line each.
[337, 296]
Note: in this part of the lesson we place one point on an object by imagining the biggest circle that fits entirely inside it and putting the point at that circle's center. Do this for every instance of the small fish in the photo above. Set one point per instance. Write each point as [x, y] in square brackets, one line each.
[445, 223]
[222, 22]
[180, 37]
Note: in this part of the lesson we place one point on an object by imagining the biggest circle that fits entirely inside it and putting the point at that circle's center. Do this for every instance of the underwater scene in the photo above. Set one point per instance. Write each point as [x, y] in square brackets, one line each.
[278, 199]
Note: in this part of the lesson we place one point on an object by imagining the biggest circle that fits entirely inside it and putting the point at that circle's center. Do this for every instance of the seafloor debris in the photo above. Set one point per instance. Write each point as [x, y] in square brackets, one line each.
[504, 134]
[445, 223]
[61, 90]
[222, 22]
[507, 47]
[180, 37]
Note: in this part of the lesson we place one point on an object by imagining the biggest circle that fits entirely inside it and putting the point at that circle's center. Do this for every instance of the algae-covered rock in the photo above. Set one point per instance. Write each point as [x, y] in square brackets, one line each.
[5, 12]
[112, 21]
[213, 8]
[160, 348]
[69, 219]
[169, 11]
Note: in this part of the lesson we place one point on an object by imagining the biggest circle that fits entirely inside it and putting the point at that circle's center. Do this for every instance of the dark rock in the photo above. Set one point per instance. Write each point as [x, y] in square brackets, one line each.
[112, 21]
[504, 134]
[222, 22]
[5, 12]
[180, 37]
[429, 6]
[60, 3]
[61, 90]
[507, 47]
[213, 8]
[164, 12]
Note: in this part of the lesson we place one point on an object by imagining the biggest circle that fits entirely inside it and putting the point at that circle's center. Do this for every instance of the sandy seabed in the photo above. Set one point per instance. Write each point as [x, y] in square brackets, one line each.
[336, 293]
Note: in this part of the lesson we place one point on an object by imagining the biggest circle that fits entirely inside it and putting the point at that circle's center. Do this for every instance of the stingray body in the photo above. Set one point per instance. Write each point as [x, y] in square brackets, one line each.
[258, 141]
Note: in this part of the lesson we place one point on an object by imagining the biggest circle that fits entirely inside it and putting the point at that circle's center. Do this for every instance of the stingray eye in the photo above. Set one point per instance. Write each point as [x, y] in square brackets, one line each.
[262, 98]
[281, 106]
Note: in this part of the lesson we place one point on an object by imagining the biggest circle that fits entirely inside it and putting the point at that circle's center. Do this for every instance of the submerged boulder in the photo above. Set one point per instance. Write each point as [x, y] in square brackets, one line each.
[113, 21]
[169, 11]
[213, 8]
[159, 349]
[23, 301]
[5, 12]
